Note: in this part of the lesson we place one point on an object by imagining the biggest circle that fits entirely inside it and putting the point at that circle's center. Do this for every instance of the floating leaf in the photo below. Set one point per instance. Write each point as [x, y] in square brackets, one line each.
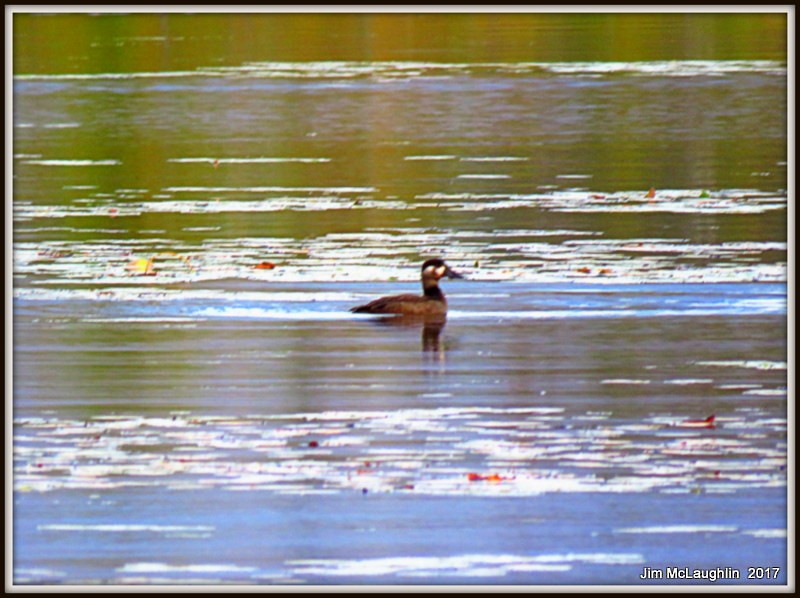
[142, 267]
[492, 477]
[699, 423]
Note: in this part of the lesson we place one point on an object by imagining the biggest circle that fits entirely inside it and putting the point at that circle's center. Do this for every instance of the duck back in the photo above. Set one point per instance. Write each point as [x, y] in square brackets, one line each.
[411, 305]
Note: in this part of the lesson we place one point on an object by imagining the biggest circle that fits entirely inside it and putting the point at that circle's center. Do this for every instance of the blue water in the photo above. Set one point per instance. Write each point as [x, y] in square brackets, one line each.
[547, 434]
[470, 300]
[258, 538]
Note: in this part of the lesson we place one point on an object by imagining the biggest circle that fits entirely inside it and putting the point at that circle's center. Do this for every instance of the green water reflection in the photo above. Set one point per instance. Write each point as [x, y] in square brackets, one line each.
[613, 131]
[79, 43]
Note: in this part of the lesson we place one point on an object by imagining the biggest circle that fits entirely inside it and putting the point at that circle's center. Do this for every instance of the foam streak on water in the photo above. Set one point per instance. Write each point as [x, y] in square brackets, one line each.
[371, 256]
[445, 452]
[394, 70]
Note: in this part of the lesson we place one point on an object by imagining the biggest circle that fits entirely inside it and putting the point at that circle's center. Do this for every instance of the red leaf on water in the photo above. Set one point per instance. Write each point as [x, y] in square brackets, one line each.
[699, 423]
[492, 477]
[265, 266]
[651, 194]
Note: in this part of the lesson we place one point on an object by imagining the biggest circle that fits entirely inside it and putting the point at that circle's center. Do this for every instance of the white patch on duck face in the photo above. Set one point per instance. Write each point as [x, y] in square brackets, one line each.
[431, 271]
[440, 271]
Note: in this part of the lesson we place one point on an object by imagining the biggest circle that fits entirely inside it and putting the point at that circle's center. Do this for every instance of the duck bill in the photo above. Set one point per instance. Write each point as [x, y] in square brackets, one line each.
[452, 274]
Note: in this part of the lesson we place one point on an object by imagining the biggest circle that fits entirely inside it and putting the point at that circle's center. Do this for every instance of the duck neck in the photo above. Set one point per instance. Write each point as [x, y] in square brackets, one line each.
[431, 290]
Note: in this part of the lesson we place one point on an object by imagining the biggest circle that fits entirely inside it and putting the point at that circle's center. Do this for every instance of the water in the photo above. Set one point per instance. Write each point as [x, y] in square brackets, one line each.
[194, 403]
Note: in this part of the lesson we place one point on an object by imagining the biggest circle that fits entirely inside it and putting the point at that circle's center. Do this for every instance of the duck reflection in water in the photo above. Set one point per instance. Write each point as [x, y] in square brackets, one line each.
[431, 331]
[428, 310]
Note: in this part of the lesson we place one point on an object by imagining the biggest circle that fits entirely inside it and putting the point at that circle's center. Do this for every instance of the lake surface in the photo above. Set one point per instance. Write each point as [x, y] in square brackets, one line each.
[198, 202]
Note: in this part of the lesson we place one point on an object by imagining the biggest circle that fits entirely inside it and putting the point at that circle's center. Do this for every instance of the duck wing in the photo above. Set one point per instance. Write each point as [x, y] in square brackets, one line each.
[389, 305]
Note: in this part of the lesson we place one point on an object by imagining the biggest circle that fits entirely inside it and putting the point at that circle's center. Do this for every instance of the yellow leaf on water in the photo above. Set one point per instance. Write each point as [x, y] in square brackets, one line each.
[142, 267]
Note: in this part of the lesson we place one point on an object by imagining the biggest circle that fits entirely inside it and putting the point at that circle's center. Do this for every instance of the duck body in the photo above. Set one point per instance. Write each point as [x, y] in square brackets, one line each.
[405, 305]
[432, 302]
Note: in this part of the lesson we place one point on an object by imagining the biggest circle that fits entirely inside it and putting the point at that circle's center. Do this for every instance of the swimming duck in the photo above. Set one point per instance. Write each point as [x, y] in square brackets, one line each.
[431, 303]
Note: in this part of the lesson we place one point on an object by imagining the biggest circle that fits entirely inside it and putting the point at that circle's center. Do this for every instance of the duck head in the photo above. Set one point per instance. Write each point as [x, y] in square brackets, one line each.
[436, 269]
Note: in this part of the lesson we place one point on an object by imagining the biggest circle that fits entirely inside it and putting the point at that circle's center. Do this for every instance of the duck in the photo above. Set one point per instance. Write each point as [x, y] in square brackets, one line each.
[432, 302]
